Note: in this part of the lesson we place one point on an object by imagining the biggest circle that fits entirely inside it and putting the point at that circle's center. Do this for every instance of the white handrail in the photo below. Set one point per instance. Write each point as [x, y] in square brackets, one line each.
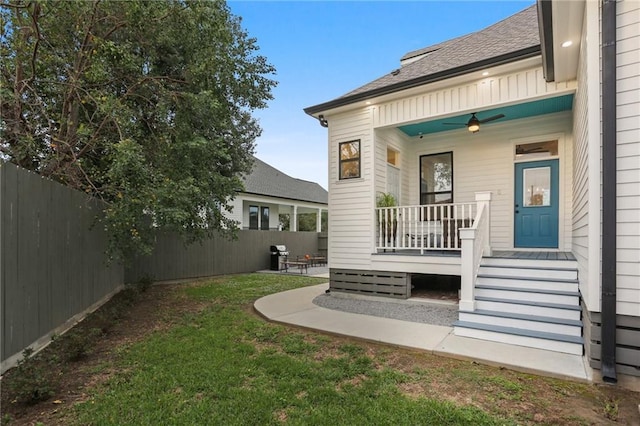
[475, 243]
[422, 227]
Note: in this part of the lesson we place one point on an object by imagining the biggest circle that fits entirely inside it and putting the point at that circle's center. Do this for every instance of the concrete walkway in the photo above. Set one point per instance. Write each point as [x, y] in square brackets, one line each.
[295, 307]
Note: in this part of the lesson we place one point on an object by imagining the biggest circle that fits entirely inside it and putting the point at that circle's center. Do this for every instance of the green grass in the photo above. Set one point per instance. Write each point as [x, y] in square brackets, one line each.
[228, 366]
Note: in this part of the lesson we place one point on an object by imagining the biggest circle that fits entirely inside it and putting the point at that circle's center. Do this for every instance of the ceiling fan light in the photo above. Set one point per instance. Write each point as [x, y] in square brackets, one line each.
[473, 124]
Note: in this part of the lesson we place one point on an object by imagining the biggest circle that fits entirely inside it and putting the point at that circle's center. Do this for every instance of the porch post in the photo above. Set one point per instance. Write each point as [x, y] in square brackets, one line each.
[293, 221]
[319, 221]
[467, 273]
[485, 198]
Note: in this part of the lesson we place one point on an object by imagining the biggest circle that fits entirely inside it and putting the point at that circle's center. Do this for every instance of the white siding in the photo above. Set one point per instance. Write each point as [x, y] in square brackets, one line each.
[581, 178]
[628, 157]
[351, 201]
[236, 213]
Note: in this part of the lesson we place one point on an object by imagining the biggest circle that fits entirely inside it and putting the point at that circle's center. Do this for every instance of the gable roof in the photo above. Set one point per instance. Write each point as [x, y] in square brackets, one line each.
[514, 38]
[269, 181]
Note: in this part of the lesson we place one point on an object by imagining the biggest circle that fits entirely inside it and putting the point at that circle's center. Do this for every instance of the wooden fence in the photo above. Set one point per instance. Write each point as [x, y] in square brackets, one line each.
[52, 261]
[172, 260]
[53, 267]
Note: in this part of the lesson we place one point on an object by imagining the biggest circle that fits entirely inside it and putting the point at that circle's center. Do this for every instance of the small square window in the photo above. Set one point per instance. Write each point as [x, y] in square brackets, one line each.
[349, 164]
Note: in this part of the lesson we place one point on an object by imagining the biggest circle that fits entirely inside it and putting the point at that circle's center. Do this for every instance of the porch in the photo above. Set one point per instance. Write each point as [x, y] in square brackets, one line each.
[528, 298]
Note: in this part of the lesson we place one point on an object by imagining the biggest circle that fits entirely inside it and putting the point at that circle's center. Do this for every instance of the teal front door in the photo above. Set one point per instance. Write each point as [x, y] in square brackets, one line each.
[536, 204]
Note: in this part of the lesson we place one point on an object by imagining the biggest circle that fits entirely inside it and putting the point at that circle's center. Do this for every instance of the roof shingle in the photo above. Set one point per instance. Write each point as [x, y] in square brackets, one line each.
[269, 181]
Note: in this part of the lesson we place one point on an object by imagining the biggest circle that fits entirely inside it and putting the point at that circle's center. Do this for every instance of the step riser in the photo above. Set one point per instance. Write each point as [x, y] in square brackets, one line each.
[551, 345]
[540, 285]
[529, 273]
[567, 330]
[542, 311]
[530, 263]
[528, 296]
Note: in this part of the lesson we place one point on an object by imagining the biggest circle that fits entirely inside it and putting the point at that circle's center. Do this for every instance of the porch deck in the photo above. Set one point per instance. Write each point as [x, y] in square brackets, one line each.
[500, 254]
[534, 255]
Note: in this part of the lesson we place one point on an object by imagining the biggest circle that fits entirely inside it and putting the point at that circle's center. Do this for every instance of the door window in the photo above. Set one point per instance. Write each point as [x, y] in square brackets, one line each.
[536, 187]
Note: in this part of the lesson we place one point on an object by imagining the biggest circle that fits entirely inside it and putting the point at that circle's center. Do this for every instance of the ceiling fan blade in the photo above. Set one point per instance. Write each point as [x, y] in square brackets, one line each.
[495, 117]
[455, 124]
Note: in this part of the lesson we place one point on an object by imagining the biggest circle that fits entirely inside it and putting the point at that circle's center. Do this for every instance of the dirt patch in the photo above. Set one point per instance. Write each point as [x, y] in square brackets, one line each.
[529, 399]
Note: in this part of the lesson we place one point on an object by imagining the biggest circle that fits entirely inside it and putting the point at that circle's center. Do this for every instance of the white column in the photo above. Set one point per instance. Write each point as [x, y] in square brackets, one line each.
[319, 221]
[293, 220]
[467, 273]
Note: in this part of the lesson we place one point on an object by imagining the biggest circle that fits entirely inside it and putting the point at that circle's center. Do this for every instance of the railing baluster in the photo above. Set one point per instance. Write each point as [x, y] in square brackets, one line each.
[423, 227]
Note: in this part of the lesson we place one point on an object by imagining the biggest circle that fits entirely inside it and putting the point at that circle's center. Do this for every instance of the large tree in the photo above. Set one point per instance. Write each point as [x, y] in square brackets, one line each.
[144, 104]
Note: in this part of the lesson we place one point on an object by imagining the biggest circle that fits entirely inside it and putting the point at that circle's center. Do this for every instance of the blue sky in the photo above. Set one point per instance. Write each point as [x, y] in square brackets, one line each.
[324, 49]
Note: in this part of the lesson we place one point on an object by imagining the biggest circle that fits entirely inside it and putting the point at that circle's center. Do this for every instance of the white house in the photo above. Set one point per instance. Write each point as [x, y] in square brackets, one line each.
[514, 157]
[268, 193]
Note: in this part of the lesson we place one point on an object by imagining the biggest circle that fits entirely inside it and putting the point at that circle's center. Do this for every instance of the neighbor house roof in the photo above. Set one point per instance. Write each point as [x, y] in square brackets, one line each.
[514, 38]
[269, 181]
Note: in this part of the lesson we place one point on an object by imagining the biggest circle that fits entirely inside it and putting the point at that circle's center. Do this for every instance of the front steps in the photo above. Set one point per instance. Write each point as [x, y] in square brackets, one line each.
[526, 302]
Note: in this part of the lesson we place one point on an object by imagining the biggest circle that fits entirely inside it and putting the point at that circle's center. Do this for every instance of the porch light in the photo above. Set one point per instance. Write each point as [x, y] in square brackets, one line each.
[473, 125]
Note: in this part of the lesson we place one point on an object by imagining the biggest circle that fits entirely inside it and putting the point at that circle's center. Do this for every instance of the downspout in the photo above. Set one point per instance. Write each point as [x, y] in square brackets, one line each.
[608, 327]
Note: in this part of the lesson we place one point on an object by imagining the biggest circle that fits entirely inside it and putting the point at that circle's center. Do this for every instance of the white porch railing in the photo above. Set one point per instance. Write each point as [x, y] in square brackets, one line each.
[423, 227]
[475, 244]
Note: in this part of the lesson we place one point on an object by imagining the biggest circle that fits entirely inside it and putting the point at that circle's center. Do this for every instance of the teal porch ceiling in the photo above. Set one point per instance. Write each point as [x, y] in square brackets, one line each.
[513, 112]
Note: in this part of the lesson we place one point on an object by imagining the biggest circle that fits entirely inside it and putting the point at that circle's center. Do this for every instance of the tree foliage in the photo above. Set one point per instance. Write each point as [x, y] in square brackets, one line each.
[144, 104]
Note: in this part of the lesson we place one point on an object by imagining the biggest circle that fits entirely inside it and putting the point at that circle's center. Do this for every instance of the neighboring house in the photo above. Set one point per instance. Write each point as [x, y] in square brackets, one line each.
[538, 212]
[268, 193]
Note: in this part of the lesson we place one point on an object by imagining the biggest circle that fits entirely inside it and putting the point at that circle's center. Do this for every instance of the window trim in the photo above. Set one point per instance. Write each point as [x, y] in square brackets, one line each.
[350, 160]
[436, 192]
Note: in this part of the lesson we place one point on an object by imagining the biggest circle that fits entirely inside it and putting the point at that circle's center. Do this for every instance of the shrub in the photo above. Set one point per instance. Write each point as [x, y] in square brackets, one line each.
[32, 381]
[77, 344]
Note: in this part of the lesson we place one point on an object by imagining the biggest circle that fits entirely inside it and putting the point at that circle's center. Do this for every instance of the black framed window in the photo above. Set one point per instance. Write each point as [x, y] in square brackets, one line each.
[264, 221]
[436, 178]
[253, 217]
[349, 163]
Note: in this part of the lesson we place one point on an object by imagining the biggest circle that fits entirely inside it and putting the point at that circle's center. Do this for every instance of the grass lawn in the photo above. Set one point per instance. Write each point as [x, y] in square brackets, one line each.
[204, 357]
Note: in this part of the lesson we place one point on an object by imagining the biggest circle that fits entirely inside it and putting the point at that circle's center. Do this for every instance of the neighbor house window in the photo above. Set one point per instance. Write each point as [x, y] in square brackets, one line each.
[253, 217]
[349, 160]
[436, 178]
[264, 218]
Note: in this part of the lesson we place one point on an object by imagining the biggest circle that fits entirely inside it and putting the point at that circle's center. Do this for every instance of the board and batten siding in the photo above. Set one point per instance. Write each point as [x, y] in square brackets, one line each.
[628, 157]
[485, 162]
[351, 201]
[510, 87]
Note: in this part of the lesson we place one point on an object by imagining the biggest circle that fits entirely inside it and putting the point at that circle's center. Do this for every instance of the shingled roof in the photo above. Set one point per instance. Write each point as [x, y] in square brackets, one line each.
[269, 181]
[513, 38]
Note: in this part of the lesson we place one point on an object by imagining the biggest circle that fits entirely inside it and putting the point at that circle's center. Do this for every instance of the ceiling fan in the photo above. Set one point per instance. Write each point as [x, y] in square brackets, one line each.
[474, 123]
